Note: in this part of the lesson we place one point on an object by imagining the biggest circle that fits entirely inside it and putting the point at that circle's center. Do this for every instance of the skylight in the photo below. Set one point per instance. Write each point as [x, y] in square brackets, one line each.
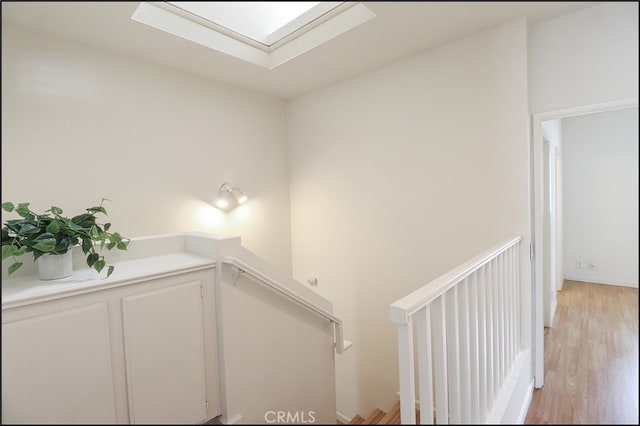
[264, 33]
[255, 19]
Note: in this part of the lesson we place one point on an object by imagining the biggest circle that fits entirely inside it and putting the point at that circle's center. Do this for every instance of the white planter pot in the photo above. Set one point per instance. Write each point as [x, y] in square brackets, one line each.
[55, 266]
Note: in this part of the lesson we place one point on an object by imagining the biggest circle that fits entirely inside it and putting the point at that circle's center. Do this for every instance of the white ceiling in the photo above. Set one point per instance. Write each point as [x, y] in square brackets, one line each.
[399, 30]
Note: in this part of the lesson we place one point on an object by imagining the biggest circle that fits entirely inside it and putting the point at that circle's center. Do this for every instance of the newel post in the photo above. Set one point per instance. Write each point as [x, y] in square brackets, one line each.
[405, 367]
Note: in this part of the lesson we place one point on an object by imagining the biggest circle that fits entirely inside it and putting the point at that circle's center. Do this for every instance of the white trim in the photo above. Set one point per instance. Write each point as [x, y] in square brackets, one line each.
[233, 420]
[23, 291]
[342, 418]
[552, 311]
[402, 309]
[501, 403]
[525, 404]
[339, 24]
[536, 184]
[587, 109]
[170, 18]
[302, 22]
[164, 20]
[600, 280]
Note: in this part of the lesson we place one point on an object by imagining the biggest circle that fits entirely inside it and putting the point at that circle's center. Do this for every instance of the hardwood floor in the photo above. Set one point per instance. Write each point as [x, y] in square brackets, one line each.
[590, 359]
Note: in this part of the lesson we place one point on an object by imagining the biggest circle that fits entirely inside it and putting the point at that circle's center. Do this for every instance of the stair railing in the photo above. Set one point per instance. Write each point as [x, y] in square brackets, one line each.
[467, 335]
[341, 345]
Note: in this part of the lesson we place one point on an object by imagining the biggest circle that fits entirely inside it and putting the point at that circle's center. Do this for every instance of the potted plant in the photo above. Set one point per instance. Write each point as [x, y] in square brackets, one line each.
[51, 234]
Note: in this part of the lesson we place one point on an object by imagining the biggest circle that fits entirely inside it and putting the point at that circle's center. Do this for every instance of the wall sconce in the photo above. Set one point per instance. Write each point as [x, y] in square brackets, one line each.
[229, 197]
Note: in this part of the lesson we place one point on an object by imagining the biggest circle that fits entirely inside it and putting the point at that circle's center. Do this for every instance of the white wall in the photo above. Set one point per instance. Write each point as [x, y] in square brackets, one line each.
[278, 356]
[600, 160]
[585, 57]
[398, 176]
[274, 354]
[80, 124]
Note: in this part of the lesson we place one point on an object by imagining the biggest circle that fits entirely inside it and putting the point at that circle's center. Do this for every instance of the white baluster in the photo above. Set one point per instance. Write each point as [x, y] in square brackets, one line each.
[453, 354]
[474, 349]
[517, 278]
[502, 304]
[483, 336]
[468, 328]
[465, 355]
[425, 364]
[490, 339]
[440, 367]
[405, 364]
[495, 293]
[512, 304]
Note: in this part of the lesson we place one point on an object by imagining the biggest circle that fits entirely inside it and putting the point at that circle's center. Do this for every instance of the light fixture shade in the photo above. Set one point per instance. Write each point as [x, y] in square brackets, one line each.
[239, 195]
[229, 197]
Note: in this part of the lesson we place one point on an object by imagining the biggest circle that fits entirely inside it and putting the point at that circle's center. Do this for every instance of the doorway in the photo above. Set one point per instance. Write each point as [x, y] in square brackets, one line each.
[538, 210]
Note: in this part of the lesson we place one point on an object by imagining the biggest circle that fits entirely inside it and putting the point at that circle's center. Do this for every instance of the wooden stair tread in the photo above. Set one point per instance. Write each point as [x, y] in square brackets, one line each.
[374, 417]
[392, 414]
[356, 420]
[379, 417]
[395, 420]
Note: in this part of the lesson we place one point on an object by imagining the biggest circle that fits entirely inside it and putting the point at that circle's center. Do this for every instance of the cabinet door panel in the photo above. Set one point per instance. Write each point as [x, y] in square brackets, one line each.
[56, 368]
[163, 336]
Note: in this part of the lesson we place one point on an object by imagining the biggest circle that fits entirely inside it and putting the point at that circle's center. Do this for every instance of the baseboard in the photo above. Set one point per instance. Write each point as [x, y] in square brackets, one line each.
[512, 397]
[600, 280]
[342, 418]
[525, 404]
[552, 313]
[233, 420]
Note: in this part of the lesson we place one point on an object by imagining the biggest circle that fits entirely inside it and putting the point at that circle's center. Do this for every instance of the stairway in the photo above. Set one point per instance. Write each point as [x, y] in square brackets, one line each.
[379, 417]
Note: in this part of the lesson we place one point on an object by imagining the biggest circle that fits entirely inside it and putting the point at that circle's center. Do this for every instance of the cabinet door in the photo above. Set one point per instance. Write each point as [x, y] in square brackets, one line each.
[56, 368]
[164, 352]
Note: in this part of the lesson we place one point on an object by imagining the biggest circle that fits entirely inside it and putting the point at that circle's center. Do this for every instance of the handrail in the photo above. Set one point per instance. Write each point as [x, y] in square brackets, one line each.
[402, 309]
[459, 338]
[274, 285]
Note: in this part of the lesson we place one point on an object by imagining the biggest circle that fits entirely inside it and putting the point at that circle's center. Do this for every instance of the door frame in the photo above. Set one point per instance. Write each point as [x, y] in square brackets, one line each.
[538, 205]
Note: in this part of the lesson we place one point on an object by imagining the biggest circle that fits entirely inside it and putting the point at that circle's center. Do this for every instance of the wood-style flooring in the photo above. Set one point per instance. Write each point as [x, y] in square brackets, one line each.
[590, 361]
[590, 358]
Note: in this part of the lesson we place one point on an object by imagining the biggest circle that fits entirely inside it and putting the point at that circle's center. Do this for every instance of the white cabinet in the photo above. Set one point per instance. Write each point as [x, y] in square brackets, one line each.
[138, 347]
[52, 362]
[164, 351]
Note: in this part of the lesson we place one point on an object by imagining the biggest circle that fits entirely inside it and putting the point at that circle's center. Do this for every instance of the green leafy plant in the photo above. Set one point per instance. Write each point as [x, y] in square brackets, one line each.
[53, 233]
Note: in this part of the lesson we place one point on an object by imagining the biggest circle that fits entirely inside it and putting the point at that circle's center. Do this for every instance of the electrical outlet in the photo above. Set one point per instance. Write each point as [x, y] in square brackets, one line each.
[579, 264]
[590, 265]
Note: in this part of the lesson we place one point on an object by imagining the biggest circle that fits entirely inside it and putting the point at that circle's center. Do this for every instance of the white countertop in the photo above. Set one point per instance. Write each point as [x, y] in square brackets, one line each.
[27, 290]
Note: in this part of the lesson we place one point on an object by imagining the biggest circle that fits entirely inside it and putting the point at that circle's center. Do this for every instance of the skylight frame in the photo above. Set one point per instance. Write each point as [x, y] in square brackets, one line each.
[294, 28]
[165, 17]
